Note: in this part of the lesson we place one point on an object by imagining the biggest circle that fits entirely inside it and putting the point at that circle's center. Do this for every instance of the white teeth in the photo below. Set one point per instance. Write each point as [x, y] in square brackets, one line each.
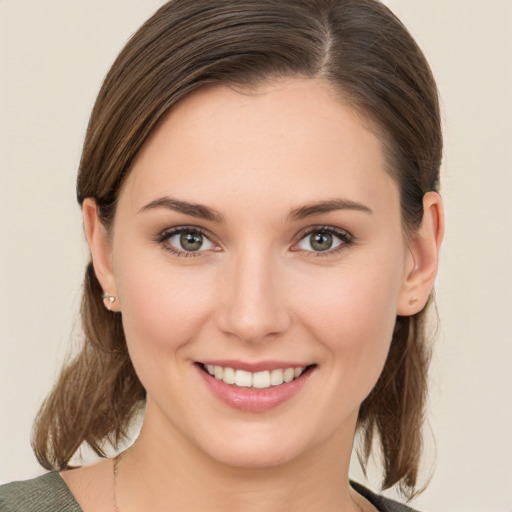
[243, 379]
[228, 376]
[276, 377]
[288, 374]
[258, 380]
[261, 380]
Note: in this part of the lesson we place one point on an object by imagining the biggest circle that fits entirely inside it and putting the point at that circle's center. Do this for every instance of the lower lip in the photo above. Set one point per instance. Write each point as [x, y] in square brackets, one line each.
[254, 400]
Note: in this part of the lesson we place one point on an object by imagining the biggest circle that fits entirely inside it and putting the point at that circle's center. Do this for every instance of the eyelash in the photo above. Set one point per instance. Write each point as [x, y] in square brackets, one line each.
[163, 238]
[345, 238]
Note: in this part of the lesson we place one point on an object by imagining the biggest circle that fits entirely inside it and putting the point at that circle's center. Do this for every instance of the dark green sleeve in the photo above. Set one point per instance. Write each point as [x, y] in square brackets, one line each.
[47, 493]
[380, 502]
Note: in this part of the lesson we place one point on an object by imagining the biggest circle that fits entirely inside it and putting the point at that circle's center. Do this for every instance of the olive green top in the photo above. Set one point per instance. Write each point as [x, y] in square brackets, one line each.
[49, 493]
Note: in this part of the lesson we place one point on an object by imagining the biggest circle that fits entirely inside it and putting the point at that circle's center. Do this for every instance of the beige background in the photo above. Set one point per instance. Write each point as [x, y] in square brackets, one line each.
[53, 56]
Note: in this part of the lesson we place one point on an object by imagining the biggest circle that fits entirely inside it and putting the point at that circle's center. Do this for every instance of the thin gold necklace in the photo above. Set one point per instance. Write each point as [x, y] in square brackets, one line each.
[116, 465]
[117, 458]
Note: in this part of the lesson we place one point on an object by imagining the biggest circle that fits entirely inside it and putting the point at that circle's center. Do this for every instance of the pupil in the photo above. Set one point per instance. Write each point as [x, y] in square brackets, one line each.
[191, 241]
[321, 241]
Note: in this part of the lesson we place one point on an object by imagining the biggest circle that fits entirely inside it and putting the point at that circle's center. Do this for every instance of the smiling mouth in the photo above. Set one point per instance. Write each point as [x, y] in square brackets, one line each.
[257, 380]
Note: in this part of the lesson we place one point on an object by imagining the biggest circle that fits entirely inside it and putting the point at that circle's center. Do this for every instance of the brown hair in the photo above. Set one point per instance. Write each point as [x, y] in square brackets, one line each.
[361, 48]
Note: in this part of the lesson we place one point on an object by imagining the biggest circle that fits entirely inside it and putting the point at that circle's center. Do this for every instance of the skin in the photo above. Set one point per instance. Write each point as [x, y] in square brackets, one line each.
[256, 291]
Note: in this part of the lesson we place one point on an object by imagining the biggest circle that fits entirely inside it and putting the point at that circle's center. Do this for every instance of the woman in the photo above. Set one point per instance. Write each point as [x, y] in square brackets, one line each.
[258, 186]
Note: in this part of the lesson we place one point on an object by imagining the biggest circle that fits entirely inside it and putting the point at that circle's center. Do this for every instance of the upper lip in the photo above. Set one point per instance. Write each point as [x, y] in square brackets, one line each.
[254, 367]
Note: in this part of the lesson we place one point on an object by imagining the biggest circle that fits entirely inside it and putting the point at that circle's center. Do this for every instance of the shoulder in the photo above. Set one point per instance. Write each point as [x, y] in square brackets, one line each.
[380, 502]
[47, 493]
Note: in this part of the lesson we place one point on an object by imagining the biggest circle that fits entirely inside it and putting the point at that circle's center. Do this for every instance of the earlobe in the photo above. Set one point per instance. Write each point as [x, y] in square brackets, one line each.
[97, 239]
[424, 257]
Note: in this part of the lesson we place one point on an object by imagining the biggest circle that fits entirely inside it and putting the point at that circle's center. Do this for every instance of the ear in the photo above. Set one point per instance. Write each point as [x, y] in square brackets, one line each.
[99, 246]
[423, 258]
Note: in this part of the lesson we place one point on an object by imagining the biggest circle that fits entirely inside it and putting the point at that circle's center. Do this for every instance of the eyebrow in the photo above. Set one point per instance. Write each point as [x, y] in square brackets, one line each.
[204, 212]
[327, 207]
[193, 209]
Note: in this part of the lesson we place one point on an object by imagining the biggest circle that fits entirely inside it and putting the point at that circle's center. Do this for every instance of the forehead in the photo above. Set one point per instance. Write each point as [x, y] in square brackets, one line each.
[288, 141]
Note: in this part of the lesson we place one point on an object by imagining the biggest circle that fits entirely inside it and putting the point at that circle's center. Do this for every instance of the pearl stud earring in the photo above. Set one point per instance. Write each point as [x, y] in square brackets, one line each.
[108, 300]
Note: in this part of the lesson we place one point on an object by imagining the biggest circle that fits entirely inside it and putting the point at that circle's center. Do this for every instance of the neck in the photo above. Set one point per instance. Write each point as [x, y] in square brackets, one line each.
[163, 470]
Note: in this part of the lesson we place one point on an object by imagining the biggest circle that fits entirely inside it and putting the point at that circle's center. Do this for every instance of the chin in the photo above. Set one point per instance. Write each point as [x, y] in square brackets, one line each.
[264, 446]
[255, 456]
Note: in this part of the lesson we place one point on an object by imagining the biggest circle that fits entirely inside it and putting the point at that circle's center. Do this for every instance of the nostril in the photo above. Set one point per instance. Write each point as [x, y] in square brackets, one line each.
[253, 323]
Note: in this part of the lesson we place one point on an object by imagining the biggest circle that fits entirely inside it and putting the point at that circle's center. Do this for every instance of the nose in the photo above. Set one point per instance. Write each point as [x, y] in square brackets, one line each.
[252, 306]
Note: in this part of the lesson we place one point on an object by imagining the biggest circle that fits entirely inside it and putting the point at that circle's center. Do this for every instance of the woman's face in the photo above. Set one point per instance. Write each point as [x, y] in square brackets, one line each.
[258, 237]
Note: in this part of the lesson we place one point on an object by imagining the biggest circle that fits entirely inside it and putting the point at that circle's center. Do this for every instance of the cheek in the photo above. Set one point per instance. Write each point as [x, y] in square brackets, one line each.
[162, 307]
[353, 315]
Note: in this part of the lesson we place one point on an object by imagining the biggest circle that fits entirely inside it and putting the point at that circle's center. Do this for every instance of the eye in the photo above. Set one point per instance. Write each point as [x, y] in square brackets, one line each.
[184, 241]
[323, 239]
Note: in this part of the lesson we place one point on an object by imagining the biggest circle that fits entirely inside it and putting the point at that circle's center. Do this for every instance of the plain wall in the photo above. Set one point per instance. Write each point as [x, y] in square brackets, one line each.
[53, 56]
